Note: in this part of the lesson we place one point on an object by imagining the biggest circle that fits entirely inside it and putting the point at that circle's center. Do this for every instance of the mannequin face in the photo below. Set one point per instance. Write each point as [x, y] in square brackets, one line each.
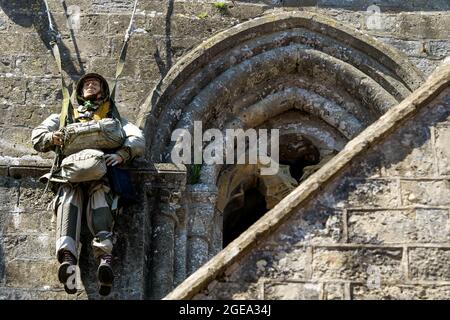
[91, 88]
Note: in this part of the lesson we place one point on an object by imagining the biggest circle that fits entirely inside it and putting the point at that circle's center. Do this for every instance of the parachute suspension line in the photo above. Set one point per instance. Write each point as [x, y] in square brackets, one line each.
[50, 24]
[55, 38]
[123, 52]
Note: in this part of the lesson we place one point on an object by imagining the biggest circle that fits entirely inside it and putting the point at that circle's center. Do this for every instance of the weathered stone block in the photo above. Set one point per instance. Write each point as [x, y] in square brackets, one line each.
[32, 274]
[23, 19]
[432, 225]
[28, 246]
[230, 291]
[118, 24]
[55, 5]
[367, 166]
[292, 291]
[401, 292]
[9, 193]
[434, 192]
[442, 150]
[367, 193]
[18, 141]
[94, 24]
[89, 46]
[148, 7]
[195, 9]
[32, 195]
[314, 225]
[429, 264]
[147, 70]
[380, 24]
[179, 46]
[427, 66]
[130, 94]
[156, 23]
[30, 115]
[3, 171]
[183, 26]
[334, 291]
[32, 42]
[247, 11]
[12, 91]
[125, 6]
[3, 22]
[17, 147]
[424, 26]
[408, 153]
[32, 65]
[439, 49]
[387, 5]
[19, 221]
[411, 48]
[3, 222]
[206, 10]
[33, 171]
[356, 264]
[377, 227]
[11, 45]
[7, 293]
[107, 67]
[44, 91]
[6, 64]
[276, 264]
[140, 45]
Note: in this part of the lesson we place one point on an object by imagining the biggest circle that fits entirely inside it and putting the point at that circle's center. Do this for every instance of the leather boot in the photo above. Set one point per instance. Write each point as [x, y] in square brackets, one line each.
[105, 274]
[64, 272]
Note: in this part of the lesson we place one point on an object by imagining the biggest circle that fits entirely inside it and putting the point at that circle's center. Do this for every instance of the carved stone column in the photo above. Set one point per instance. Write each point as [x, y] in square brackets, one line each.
[168, 247]
[202, 213]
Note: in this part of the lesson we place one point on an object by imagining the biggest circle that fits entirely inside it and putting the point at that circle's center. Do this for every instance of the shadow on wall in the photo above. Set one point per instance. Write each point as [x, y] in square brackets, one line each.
[164, 66]
[32, 13]
[360, 5]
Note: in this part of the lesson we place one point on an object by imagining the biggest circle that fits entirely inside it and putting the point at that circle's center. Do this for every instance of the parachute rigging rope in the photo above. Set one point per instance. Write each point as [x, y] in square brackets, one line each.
[55, 38]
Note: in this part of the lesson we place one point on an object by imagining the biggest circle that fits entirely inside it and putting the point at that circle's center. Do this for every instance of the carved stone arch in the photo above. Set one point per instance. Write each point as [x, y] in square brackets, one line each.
[300, 72]
[242, 65]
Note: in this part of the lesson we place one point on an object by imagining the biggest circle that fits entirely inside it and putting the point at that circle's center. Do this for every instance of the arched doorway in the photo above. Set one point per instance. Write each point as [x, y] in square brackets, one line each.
[317, 81]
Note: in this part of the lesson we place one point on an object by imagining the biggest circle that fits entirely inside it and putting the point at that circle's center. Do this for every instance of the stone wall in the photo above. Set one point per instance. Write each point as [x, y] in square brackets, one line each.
[377, 229]
[28, 268]
[166, 32]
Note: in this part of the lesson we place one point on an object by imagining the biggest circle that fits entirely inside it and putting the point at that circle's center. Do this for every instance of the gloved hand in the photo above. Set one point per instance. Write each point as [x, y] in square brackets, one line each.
[113, 159]
[58, 138]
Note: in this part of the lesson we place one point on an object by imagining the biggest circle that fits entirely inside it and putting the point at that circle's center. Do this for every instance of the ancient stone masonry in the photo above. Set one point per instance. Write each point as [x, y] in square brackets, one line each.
[371, 224]
[275, 71]
[320, 71]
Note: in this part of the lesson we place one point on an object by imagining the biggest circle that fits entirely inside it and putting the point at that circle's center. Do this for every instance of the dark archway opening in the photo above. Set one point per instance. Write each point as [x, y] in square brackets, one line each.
[297, 152]
[241, 212]
[247, 203]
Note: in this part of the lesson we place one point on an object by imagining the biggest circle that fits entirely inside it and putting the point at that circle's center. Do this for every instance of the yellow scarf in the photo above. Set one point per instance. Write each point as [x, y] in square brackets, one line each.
[99, 114]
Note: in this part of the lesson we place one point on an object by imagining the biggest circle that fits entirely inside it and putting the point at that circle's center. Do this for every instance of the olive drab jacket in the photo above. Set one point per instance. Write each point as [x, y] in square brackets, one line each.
[133, 145]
